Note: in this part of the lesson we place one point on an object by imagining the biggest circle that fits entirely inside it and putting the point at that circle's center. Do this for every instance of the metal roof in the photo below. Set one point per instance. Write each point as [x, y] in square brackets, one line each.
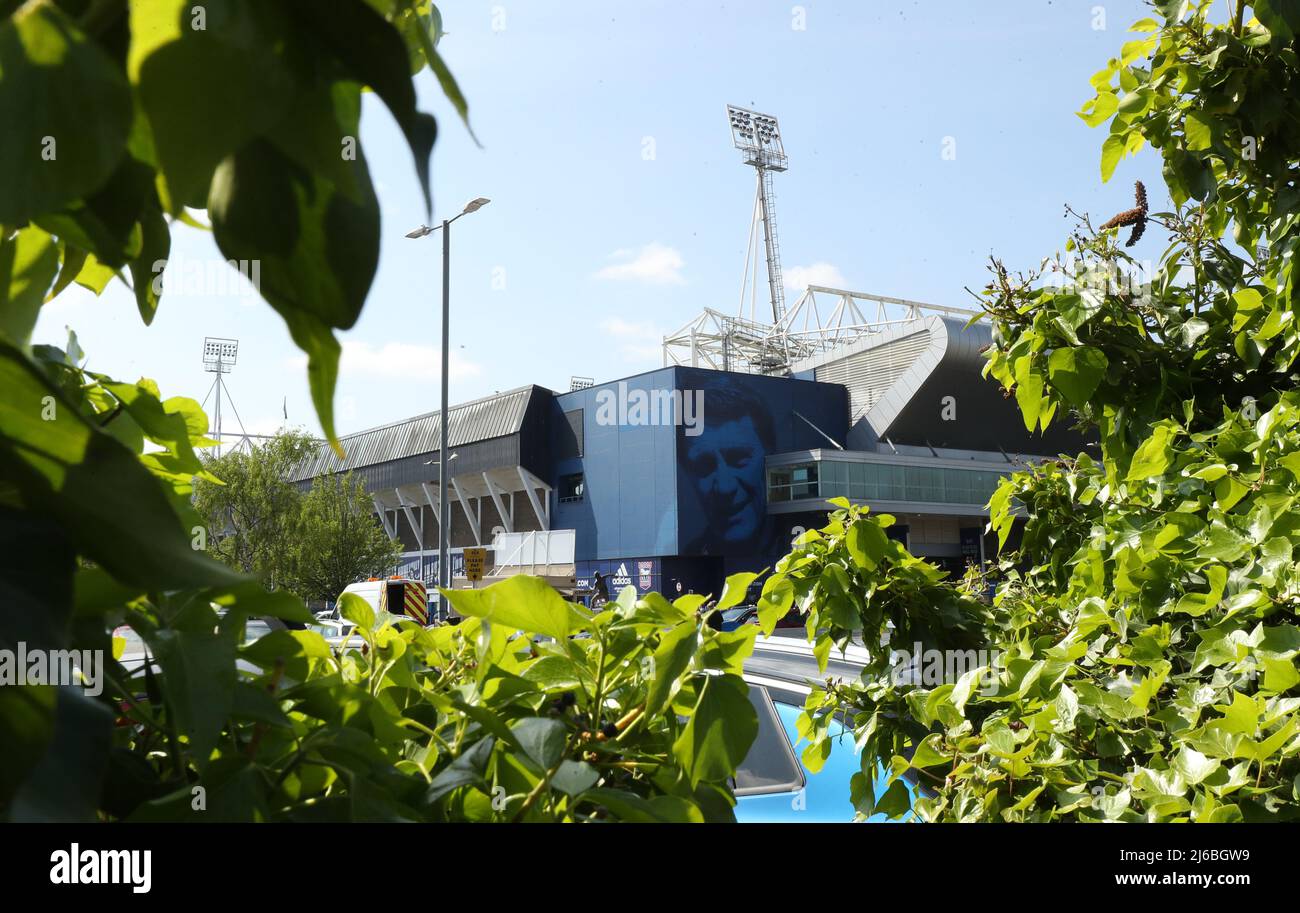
[478, 420]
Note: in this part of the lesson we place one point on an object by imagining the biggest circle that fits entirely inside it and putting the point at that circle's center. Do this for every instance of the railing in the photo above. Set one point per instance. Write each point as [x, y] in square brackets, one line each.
[538, 548]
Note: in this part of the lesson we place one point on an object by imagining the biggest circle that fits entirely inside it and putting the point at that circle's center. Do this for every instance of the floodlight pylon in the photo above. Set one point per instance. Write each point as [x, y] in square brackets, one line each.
[758, 137]
[219, 357]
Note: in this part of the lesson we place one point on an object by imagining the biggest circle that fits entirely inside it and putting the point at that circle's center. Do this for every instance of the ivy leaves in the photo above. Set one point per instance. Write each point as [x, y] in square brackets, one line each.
[1142, 642]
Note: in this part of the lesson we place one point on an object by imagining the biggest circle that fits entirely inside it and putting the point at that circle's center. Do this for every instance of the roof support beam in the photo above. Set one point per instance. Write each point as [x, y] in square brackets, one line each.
[507, 519]
[417, 528]
[433, 502]
[543, 513]
[383, 517]
[473, 521]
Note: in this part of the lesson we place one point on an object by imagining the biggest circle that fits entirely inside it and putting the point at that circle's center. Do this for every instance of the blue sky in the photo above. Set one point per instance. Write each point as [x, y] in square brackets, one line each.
[620, 209]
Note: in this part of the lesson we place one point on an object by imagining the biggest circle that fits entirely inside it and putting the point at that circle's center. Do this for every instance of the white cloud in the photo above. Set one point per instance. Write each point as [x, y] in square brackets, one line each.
[637, 341]
[800, 277]
[655, 263]
[397, 361]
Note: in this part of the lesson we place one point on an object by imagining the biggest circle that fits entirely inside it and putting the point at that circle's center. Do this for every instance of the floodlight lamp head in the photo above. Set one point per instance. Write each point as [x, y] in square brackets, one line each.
[476, 204]
[419, 232]
[219, 355]
[758, 136]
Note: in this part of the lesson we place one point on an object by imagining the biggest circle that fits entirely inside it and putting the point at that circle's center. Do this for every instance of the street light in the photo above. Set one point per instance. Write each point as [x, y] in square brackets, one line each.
[444, 509]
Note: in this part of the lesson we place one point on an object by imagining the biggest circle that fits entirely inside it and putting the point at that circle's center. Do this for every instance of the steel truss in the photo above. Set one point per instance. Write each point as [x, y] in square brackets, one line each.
[809, 327]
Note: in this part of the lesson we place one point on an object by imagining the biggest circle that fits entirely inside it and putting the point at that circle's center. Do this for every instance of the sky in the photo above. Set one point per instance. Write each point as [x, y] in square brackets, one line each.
[922, 137]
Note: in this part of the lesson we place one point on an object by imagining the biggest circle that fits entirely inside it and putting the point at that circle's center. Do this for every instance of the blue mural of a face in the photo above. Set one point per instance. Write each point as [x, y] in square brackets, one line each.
[726, 467]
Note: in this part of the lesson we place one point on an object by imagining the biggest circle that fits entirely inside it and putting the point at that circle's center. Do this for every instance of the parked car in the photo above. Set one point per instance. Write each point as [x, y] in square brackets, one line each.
[773, 785]
[748, 614]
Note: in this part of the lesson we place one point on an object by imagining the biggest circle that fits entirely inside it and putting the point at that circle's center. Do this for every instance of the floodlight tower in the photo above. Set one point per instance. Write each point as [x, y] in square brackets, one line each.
[219, 356]
[758, 137]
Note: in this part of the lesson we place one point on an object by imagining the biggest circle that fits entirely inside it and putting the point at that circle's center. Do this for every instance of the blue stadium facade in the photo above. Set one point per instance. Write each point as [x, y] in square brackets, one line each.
[671, 479]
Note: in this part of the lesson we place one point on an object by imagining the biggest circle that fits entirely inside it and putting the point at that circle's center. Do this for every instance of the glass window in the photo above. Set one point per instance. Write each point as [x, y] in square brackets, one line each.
[957, 486]
[786, 483]
[571, 487]
[834, 479]
[857, 481]
[805, 481]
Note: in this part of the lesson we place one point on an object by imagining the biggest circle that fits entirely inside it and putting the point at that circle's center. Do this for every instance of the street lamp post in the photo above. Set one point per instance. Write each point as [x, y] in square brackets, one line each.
[444, 508]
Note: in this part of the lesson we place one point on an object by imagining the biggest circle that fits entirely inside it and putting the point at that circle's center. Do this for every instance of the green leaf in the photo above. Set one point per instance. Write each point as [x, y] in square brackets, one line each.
[1227, 492]
[928, 753]
[317, 248]
[1193, 766]
[734, 590]
[866, 542]
[373, 52]
[1029, 392]
[208, 91]
[65, 785]
[429, 36]
[155, 247]
[720, 730]
[111, 506]
[356, 610]
[896, 802]
[1112, 150]
[575, 777]
[1076, 372]
[1280, 17]
[199, 677]
[1280, 675]
[672, 658]
[1099, 109]
[1199, 130]
[66, 111]
[1241, 716]
[628, 806]
[1193, 330]
[541, 739]
[465, 770]
[774, 604]
[28, 263]
[522, 602]
[1154, 456]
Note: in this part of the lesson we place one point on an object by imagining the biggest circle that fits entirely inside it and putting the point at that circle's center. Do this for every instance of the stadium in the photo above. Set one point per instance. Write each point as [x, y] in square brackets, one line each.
[670, 480]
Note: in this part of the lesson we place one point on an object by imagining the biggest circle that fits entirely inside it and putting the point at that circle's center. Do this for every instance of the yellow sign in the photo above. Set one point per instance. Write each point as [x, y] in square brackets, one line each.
[475, 558]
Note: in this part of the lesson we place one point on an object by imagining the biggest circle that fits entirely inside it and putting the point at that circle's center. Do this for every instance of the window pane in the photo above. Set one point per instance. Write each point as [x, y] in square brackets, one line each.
[857, 476]
[805, 481]
[834, 479]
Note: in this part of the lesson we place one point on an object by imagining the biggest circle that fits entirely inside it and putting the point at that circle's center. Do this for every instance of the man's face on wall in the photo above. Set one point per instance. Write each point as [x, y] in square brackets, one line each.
[726, 466]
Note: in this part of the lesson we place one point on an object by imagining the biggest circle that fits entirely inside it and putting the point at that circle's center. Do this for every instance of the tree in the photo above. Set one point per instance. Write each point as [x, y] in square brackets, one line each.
[253, 514]
[338, 539]
[1142, 654]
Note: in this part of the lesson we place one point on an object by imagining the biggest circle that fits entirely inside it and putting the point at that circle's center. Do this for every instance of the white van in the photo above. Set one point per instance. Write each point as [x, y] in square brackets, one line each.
[395, 595]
